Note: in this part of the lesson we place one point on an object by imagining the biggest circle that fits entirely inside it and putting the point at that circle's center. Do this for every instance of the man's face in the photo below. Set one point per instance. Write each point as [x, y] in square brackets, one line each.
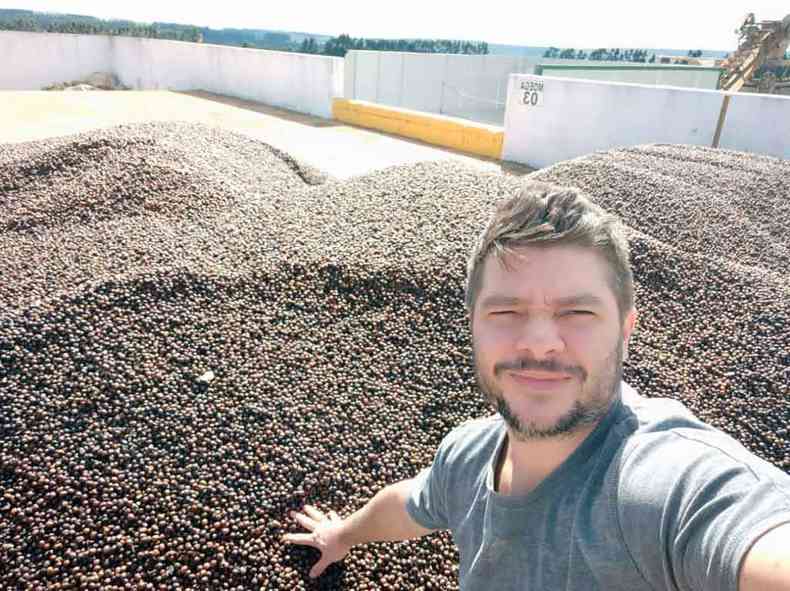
[547, 339]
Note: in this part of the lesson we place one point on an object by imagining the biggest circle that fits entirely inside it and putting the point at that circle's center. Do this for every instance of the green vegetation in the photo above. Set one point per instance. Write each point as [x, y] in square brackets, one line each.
[27, 20]
[338, 46]
[615, 54]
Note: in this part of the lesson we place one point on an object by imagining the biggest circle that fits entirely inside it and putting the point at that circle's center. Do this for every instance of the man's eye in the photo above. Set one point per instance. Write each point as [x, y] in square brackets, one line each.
[501, 312]
[577, 313]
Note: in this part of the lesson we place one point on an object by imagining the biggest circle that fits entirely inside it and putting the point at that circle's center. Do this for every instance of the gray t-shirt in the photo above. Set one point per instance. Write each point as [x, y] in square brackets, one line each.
[653, 499]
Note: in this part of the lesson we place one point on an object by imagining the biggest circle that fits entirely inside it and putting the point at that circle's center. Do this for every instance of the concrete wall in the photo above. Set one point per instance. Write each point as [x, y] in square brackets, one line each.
[475, 86]
[571, 118]
[469, 86]
[757, 123]
[304, 83]
[576, 117]
[31, 61]
[657, 75]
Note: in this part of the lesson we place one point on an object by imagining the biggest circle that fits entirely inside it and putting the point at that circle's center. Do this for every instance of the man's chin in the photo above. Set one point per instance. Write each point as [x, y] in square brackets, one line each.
[540, 406]
[545, 421]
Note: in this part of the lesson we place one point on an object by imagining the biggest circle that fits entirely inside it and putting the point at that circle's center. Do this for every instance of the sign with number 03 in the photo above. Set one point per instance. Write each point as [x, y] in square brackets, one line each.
[531, 93]
[532, 98]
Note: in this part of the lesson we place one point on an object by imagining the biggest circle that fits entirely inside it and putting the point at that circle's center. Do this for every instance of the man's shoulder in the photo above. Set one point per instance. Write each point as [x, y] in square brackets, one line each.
[662, 440]
[664, 422]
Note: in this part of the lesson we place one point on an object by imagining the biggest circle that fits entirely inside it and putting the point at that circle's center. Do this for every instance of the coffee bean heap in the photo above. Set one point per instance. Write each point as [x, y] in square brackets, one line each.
[83, 190]
[174, 380]
[722, 205]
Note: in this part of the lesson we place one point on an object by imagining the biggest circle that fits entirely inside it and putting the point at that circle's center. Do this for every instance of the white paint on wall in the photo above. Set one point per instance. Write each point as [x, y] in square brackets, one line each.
[304, 83]
[576, 117]
[469, 86]
[422, 81]
[681, 76]
[390, 87]
[31, 61]
[758, 123]
[366, 76]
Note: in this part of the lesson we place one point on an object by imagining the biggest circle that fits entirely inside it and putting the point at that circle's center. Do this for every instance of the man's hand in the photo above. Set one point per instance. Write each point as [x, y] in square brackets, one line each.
[325, 535]
[384, 518]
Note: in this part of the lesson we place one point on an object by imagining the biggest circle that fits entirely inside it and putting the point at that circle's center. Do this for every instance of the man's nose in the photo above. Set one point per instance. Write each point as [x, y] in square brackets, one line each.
[540, 337]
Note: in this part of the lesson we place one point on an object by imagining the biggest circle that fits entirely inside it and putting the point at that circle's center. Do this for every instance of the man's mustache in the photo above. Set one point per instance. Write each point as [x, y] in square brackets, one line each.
[548, 366]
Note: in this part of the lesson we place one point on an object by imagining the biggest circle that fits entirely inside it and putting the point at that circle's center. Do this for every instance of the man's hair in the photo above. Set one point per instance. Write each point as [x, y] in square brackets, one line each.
[546, 215]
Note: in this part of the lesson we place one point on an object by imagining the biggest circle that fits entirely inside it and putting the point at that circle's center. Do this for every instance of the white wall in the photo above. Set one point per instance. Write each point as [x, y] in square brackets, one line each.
[31, 61]
[469, 86]
[423, 72]
[475, 86]
[684, 76]
[304, 83]
[577, 117]
[758, 123]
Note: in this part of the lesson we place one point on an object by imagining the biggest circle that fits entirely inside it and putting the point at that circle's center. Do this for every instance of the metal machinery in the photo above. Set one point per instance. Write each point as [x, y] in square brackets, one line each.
[759, 43]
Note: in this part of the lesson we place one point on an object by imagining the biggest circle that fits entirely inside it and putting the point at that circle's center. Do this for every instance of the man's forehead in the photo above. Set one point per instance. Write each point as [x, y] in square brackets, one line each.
[567, 261]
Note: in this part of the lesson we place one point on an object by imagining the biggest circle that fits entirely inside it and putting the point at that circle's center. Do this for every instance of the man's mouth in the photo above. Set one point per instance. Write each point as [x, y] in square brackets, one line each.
[539, 379]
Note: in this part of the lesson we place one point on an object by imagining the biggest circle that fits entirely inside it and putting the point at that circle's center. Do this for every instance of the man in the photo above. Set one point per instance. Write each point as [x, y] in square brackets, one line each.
[578, 482]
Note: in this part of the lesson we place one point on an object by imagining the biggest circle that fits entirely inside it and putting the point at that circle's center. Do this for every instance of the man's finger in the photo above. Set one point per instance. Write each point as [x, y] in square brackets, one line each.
[318, 568]
[303, 539]
[303, 520]
[334, 516]
[313, 512]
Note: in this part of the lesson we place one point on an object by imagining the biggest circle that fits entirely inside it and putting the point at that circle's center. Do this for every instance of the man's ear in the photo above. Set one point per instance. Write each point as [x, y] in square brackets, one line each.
[628, 328]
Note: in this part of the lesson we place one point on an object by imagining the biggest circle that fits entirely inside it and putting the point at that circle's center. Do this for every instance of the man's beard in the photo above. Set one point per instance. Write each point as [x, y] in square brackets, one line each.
[601, 392]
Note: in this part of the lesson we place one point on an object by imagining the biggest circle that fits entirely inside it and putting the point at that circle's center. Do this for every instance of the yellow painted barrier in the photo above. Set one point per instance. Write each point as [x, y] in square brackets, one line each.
[459, 134]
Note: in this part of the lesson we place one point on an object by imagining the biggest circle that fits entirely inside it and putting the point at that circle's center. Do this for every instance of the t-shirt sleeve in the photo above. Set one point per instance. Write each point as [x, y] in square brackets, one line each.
[427, 503]
[691, 507]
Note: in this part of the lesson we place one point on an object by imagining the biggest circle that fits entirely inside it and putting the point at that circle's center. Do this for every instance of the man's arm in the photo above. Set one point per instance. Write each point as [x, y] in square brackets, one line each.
[766, 566]
[383, 519]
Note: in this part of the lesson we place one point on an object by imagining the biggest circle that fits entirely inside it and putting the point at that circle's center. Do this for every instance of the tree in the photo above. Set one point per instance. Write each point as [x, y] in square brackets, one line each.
[338, 46]
[695, 53]
[308, 46]
[551, 52]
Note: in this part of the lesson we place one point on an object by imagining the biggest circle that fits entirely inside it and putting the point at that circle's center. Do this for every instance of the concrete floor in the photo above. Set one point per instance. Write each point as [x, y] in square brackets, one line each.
[335, 148]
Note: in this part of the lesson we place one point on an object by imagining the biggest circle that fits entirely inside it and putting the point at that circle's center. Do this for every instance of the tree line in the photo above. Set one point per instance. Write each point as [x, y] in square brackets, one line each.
[28, 20]
[339, 46]
[615, 54]
[25, 20]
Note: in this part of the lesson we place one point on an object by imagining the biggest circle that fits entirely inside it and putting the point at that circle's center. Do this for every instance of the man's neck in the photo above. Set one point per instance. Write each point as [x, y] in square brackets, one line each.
[523, 465]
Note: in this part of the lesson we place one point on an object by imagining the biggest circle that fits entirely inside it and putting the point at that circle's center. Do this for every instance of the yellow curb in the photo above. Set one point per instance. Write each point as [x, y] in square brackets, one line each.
[466, 136]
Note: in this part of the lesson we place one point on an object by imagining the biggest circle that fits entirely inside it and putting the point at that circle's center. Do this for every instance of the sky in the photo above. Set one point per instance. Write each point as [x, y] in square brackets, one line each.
[671, 24]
